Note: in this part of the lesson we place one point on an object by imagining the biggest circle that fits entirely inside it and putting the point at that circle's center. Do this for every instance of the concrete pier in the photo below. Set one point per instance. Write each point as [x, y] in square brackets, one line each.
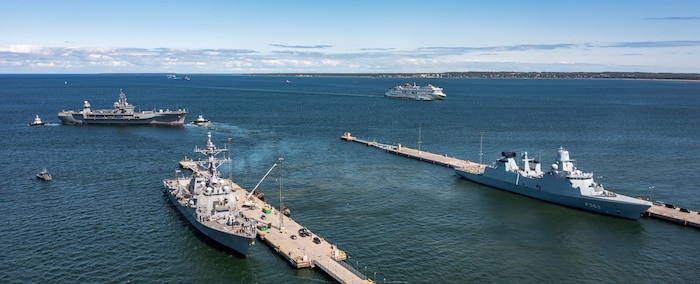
[680, 216]
[188, 164]
[307, 249]
[436, 159]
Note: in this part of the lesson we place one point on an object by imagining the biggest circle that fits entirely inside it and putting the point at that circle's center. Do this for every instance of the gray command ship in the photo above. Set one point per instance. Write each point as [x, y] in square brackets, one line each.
[122, 114]
[564, 184]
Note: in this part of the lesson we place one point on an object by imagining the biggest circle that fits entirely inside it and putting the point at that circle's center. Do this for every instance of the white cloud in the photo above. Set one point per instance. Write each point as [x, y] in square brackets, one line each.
[25, 49]
[96, 56]
[539, 57]
[44, 64]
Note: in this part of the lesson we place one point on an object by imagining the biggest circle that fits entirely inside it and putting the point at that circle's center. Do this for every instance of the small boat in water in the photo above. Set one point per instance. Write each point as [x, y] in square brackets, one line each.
[200, 121]
[175, 77]
[44, 175]
[37, 121]
[415, 92]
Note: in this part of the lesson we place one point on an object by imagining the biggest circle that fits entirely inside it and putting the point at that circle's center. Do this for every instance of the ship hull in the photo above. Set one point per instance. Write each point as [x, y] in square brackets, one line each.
[408, 97]
[558, 191]
[239, 244]
[175, 118]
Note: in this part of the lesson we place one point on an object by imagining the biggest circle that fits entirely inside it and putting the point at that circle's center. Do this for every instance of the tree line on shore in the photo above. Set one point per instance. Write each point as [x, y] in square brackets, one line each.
[514, 75]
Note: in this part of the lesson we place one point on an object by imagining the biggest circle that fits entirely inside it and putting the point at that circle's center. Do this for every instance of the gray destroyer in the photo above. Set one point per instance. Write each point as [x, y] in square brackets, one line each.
[212, 204]
[564, 184]
[122, 114]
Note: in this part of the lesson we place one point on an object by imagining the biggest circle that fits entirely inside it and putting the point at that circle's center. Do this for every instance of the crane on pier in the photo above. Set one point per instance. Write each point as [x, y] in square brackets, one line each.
[248, 201]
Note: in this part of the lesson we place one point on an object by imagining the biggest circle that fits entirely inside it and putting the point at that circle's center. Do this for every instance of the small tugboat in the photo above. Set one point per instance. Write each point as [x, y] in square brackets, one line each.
[37, 121]
[44, 175]
[200, 121]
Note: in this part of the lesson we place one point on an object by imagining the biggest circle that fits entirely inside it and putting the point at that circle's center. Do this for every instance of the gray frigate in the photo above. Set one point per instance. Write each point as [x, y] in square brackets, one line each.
[564, 184]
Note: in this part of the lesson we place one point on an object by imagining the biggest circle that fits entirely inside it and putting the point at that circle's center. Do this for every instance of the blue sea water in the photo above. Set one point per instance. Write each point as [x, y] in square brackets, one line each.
[103, 218]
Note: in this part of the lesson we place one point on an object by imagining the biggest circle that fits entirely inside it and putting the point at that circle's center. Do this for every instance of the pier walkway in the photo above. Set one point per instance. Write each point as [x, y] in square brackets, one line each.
[188, 164]
[680, 216]
[437, 159]
[298, 245]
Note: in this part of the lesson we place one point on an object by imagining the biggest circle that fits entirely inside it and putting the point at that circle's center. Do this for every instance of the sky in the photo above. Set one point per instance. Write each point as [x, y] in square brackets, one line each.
[351, 36]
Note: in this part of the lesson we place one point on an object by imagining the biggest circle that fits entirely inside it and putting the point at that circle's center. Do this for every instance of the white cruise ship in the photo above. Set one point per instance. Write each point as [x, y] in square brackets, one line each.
[415, 92]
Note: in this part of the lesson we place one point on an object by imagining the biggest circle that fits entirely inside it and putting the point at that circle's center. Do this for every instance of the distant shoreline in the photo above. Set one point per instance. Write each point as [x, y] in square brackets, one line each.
[509, 75]
[471, 74]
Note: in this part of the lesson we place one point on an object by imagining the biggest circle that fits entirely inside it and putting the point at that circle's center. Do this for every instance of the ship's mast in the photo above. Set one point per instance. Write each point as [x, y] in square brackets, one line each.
[211, 151]
[230, 166]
